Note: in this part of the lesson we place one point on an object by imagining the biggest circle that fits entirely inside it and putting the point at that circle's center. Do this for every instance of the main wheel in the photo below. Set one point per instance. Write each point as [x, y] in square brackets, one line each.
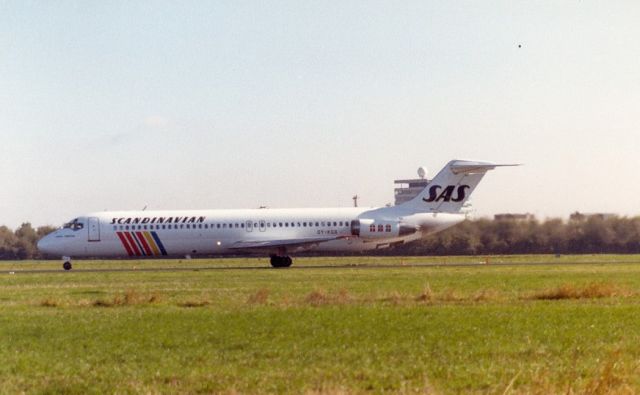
[280, 261]
[66, 265]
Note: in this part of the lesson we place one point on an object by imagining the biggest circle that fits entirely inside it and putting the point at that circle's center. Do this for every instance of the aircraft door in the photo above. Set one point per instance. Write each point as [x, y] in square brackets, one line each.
[263, 225]
[94, 229]
[249, 226]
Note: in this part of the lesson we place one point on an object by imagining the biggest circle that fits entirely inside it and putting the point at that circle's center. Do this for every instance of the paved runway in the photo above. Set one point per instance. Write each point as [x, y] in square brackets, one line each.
[294, 267]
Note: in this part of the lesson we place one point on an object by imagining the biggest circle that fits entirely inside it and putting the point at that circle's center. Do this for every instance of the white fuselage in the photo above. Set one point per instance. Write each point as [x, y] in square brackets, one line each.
[276, 232]
[207, 232]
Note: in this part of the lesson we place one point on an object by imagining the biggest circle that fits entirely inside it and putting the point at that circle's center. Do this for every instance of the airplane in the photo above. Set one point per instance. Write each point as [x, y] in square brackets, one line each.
[276, 232]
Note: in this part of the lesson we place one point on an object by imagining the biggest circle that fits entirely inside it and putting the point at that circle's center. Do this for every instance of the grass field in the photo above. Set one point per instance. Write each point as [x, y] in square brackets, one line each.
[567, 324]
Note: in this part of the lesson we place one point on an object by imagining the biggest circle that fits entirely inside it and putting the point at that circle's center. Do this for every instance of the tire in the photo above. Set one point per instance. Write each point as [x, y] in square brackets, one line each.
[275, 261]
[66, 265]
[280, 261]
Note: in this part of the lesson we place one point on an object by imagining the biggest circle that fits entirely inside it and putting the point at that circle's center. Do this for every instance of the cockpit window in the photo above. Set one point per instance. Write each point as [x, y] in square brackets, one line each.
[73, 225]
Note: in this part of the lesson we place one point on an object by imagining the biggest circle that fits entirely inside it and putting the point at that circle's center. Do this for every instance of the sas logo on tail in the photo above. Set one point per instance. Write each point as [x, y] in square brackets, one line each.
[447, 194]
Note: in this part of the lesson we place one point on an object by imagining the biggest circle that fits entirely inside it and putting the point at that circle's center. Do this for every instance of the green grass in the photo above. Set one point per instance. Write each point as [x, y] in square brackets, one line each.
[569, 324]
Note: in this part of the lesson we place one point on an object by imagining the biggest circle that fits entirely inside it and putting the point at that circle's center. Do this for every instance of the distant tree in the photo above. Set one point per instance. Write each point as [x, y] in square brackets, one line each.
[8, 244]
[27, 239]
[42, 231]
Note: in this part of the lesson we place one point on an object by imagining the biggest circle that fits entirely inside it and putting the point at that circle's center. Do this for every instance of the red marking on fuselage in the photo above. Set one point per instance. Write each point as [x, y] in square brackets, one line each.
[125, 243]
[134, 245]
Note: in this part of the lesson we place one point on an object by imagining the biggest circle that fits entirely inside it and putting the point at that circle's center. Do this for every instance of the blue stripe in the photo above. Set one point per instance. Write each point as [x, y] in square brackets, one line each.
[138, 243]
[157, 239]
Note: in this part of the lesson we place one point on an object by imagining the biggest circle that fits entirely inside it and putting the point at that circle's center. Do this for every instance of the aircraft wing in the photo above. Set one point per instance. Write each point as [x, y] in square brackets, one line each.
[303, 243]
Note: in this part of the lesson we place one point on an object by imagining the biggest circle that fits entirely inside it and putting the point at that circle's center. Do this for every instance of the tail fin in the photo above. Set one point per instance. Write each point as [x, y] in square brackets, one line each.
[451, 187]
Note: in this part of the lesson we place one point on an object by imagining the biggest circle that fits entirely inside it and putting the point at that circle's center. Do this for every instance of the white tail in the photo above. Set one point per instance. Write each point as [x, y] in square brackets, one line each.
[451, 187]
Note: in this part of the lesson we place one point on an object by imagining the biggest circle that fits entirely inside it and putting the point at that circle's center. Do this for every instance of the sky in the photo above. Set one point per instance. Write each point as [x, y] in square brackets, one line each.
[240, 104]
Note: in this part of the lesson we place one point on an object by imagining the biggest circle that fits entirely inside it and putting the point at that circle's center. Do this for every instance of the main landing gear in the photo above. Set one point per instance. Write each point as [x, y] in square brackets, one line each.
[280, 261]
[66, 263]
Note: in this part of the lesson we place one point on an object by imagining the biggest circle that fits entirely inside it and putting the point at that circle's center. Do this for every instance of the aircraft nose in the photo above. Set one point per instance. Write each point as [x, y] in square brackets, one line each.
[46, 245]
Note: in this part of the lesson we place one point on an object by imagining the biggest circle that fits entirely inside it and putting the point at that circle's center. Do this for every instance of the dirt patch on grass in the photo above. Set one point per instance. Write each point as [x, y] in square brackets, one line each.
[394, 298]
[317, 297]
[129, 298]
[343, 296]
[450, 295]
[486, 295]
[426, 296]
[49, 303]
[589, 291]
[194, 303]
[261, 296]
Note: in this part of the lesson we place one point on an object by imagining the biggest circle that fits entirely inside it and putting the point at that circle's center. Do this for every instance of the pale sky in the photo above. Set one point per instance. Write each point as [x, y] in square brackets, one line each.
[238, 104]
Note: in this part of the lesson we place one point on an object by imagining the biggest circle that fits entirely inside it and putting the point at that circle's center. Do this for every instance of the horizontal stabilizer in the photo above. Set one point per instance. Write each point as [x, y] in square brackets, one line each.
[471, 167]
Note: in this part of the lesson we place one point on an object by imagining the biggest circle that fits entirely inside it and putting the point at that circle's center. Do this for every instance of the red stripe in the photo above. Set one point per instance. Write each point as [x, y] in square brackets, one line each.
[143, 241]
[124, 243]
[133, 243]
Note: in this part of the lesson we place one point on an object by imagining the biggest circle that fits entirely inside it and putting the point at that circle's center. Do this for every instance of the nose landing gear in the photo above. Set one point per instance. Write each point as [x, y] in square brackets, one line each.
[66, 263]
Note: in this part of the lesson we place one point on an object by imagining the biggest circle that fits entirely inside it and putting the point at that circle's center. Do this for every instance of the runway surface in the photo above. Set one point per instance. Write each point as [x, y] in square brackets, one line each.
[301, 267]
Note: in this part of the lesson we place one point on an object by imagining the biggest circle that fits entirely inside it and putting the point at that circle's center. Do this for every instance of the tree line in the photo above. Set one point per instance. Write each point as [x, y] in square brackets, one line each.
[21, 243]
[578, 235]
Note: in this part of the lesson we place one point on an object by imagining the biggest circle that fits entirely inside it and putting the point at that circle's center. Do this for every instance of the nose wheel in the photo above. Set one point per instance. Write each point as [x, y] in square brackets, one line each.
[67, 265]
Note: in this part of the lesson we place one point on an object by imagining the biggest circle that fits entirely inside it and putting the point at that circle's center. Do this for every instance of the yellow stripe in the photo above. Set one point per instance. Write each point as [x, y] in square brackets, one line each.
[152, 243]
